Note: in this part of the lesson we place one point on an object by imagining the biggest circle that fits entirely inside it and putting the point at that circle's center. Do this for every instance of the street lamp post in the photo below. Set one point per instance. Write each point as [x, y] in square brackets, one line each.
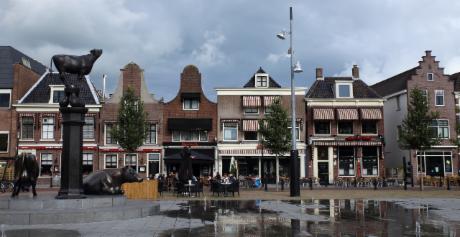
[294, 161]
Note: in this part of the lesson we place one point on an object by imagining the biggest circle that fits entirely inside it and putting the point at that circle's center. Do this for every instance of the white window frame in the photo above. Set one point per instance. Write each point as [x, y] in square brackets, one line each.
[436, 98]
[148, 163]
[256, 113]
[53, 128]
[93, 129]
[345, 134]
[437, 127]
[192, 99]
[7, 141]
[156, 134]
[137, 160]
[92, 159]
[260, 75]
[337, 85]
[355, 161]
[105, 160]
[223, 133]
[40, 166]
[423, 155]
[54, 88]
[181, 135]
[297, 128]
[105, 134]
[428, 76]
[6, 91]
[378, 164]
[33, 129]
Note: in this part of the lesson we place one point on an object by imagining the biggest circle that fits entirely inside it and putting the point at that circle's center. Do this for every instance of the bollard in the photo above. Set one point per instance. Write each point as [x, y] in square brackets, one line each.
[448, 183]
[375, 184]
[310, 182]
[282, 184]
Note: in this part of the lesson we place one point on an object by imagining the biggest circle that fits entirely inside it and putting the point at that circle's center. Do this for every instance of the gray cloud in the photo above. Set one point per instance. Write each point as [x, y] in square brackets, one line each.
[229, 40]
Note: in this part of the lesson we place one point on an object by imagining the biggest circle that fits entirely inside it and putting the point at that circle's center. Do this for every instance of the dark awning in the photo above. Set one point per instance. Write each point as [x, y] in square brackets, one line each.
[189, 124]
[190, 95]
[198, 155]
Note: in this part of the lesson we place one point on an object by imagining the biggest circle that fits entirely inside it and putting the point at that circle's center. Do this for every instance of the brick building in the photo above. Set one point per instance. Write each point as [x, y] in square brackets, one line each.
[40, 123]
[345, 128]
[239, 113]
[146, 160]
[18, 72]
[190, 120]
[428, 76]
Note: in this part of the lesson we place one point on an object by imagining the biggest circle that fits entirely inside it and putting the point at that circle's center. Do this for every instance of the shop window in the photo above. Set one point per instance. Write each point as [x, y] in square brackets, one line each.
[87, 163]
[46, 162]
[370, 161]
[346, 158]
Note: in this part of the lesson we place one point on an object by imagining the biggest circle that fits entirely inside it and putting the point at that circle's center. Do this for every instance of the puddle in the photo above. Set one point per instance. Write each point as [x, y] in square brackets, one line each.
[309, 218]
[40, 233]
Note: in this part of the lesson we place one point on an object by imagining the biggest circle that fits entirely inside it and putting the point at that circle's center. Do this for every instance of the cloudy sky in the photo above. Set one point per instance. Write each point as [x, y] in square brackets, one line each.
[229, 40]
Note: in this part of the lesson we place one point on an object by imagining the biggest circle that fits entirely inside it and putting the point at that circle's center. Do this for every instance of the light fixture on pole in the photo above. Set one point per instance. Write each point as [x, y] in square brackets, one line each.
[294, 161]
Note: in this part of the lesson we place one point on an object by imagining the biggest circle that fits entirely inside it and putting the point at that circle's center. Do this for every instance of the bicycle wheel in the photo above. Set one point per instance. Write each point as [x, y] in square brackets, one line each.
[10, 187]
[2, 187]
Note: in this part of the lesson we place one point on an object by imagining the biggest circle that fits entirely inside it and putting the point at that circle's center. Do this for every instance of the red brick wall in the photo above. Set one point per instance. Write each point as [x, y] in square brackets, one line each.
[190, 82]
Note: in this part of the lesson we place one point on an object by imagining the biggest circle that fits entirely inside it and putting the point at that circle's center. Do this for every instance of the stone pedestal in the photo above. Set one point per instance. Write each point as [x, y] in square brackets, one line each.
[71, 158]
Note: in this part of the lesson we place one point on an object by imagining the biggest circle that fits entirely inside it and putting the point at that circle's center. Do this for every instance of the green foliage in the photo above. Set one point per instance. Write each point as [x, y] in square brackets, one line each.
[233, 169]
[416, 133]
[275, 130]
[131, 128]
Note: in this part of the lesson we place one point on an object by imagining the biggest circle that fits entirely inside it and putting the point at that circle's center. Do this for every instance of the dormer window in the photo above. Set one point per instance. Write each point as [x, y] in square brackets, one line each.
[344, 90]
[26, 62]
[261, 80]
[191, 104]
[56, 93]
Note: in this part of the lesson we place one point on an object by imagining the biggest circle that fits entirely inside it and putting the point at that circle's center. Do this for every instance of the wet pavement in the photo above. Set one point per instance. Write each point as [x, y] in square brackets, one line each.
[320, 218]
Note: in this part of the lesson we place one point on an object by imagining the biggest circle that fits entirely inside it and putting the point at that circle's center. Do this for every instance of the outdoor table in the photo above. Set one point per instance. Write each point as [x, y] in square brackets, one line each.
[226, 186]
[189, 188]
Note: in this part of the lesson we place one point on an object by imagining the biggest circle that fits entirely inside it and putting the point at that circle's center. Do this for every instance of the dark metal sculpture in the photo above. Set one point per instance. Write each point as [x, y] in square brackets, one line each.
[185, 170]
[80, 65]
[26, 172]
[109, 181]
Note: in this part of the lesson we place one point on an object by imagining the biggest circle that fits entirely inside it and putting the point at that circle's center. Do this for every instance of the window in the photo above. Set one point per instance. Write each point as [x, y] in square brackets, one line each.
[27, 127]
[346, 156]
[345, 127]
[370, 161]
[425, 94]
[4, 140]
[439, 97]
[191, 104]
[434, 163]
[48, 128]
[261, 80]
[131, 161]
[344, 90]
[369, 127]
[87, 163]
[108, 134]
[153, 164]
[297, 131]
[46, 162]
[440, 128]
[230, 131]
[323, 153]
[250, 110]
[58, 95]
[151, 137]
[268, 110]
[430, 77]
[5, 98]
[111, 161]
[88, 128]
[322, 128]
[250, 136]
[398, 103]
[178, 136]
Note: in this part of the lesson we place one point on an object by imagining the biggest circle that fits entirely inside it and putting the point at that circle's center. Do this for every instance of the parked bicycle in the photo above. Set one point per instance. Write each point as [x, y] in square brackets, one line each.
[6, 186]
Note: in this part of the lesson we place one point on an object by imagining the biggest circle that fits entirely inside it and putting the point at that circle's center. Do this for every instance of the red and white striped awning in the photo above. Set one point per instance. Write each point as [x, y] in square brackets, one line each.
[323, 114]
[268, 100]
[347, 114]
[251, 101]
[251, 125]
[347, 143]
[371, 114]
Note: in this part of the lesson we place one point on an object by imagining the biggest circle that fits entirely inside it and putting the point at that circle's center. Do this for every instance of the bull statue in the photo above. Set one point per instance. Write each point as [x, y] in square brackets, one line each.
[26, 172]
[71, 64]
[109, 181]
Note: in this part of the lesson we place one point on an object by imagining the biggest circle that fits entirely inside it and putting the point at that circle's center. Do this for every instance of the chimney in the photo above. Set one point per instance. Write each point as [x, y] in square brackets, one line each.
[104, 78]
[319, 73]
[355, 72]
[428, 53]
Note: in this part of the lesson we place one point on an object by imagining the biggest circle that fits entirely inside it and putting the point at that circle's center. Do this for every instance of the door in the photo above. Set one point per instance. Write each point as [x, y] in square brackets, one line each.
[323, 173]
[435, 166]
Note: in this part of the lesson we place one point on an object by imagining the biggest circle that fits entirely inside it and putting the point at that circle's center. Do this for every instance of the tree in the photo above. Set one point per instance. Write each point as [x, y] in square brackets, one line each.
[274, 130]
[131, 129]
[416, 132]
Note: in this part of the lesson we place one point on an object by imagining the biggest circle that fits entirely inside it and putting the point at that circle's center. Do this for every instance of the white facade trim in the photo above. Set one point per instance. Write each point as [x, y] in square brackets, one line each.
[344, 102]
[260, 91]
[91, 88]
[33, 87]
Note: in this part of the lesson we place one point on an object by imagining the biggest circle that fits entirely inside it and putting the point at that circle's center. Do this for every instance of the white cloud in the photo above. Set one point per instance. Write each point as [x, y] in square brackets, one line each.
[210, 53]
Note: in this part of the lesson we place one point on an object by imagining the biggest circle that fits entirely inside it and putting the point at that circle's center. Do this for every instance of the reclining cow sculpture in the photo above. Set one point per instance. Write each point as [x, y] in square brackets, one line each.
[71, 64]
[109, 181]
[26, 171]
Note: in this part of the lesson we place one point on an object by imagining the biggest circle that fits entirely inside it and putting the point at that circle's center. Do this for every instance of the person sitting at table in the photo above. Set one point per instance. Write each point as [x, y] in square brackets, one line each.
[225, 179]
[232, 178]
[217, 177]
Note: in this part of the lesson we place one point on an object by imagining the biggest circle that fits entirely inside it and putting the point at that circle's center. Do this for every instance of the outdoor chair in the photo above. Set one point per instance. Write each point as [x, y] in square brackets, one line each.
[235, 187]
[216, 188]
[179, 188]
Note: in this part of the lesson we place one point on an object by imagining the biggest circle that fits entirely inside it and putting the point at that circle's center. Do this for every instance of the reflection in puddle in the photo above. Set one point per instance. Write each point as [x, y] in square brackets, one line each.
[308, 218]
[40, 233]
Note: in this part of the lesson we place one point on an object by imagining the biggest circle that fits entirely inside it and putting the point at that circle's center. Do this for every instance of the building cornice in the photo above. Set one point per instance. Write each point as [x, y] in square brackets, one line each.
[260, 91]
[344, 102]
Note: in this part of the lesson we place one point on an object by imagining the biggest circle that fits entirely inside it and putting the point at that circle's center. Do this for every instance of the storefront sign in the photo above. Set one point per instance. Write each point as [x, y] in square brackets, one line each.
[358, 138]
